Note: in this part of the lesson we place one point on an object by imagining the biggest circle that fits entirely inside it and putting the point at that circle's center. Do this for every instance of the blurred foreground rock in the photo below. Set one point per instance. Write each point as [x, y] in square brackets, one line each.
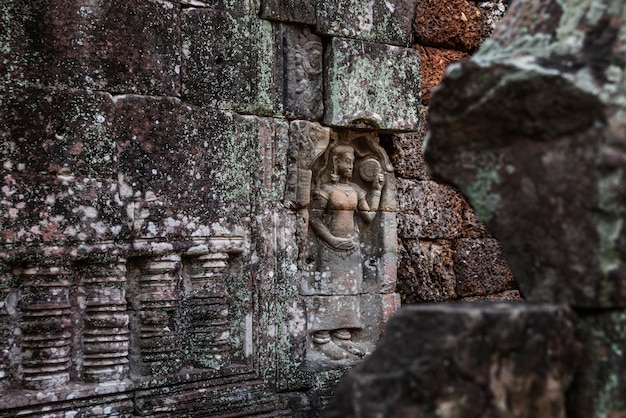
[535, 138]
[466, 360]
[533, 131]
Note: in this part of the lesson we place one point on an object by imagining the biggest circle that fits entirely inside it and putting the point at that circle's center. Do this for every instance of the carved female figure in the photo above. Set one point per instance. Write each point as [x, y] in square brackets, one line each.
[339, 271]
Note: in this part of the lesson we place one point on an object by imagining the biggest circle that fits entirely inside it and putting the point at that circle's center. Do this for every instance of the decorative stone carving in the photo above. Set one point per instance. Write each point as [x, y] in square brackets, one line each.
[207, 299]
[345, 246]
[45, 323]
[310, 140]
[303, 72]
[155, 299]
[106, 334]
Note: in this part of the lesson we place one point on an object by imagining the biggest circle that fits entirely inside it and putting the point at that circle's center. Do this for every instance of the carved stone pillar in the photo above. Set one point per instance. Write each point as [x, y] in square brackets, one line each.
[208, 310]
[157, 303]
[45, 323]
[106, 334]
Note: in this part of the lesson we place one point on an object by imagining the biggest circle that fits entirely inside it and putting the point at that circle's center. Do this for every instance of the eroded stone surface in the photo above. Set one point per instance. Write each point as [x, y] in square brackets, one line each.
[301, 11]
[96, 46]
[466, 360]
[371, 86]
[66, 133]
[480, 268]
[461, 29]
[426, 271]
[429, 210]
[386, 22]
[228, 61]
[435, 61]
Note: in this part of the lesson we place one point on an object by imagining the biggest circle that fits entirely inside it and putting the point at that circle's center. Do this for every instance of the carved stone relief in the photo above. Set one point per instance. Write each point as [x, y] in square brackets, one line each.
[115, 316]
[343, 187]
[303, 72]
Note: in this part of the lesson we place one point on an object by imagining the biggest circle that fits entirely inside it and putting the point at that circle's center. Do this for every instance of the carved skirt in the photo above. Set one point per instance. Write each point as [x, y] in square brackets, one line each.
[334, 288]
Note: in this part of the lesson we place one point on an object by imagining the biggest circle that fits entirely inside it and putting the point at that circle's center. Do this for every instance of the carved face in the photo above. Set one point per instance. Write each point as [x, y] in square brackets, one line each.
[345, 164]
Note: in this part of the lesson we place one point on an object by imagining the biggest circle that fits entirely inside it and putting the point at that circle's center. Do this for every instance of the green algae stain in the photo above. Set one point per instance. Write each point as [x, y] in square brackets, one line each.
[479, 191]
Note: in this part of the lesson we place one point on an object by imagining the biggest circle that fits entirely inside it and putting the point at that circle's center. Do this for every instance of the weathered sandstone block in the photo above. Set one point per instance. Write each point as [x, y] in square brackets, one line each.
[465, 360]
[480, 268]
[387, 22]
[65, 133]
[228, 61]
[532, 131]
[405, 152]
[300, 11]
[429, 210]
[371, 86]
[426, 271]
[435, 61]
[122, 47]
[456, 24]
[170, 149]
[60, 209]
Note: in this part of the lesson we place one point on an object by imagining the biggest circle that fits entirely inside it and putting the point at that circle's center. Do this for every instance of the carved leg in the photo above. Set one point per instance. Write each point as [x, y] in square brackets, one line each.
[343, 339]
[325, 345]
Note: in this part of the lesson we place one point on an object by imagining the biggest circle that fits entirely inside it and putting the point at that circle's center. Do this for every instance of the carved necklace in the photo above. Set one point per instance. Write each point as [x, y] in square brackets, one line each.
[345, 188]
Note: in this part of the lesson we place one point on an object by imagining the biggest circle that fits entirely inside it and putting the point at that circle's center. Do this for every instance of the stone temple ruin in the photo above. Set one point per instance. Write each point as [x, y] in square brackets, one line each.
[213, 208]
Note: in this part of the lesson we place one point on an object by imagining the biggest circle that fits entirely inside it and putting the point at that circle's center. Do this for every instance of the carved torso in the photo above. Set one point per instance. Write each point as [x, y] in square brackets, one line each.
[340, 202]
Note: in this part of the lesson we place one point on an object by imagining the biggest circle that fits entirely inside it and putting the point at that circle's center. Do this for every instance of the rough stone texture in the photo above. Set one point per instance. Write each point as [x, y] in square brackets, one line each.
[599, 389]
[65, 133]
[434, 64]
[480, 268]
[456, 24]
[371, 86]
[466, 360]
[300, 11]
[95, 46]
[226, 63]
[247, 7]
[426, 271]
[535, 139]
[429, 211]
[405, 151]
[386, 22]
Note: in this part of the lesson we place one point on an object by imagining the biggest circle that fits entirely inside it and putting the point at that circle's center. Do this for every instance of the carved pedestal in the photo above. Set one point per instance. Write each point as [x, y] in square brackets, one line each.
[106, 334]
[208, 306]
[45, 323]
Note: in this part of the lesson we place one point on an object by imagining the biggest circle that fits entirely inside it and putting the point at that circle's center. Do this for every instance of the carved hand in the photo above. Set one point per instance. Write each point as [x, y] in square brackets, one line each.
[344, 244]
[378, 182]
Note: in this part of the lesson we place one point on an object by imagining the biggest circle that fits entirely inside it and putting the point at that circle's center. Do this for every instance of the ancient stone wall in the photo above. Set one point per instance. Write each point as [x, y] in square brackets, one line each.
[445, 252]
[531, 129]
[164, 166]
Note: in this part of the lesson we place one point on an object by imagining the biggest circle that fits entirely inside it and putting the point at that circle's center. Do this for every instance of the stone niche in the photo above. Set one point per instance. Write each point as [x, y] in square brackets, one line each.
[342, 186]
